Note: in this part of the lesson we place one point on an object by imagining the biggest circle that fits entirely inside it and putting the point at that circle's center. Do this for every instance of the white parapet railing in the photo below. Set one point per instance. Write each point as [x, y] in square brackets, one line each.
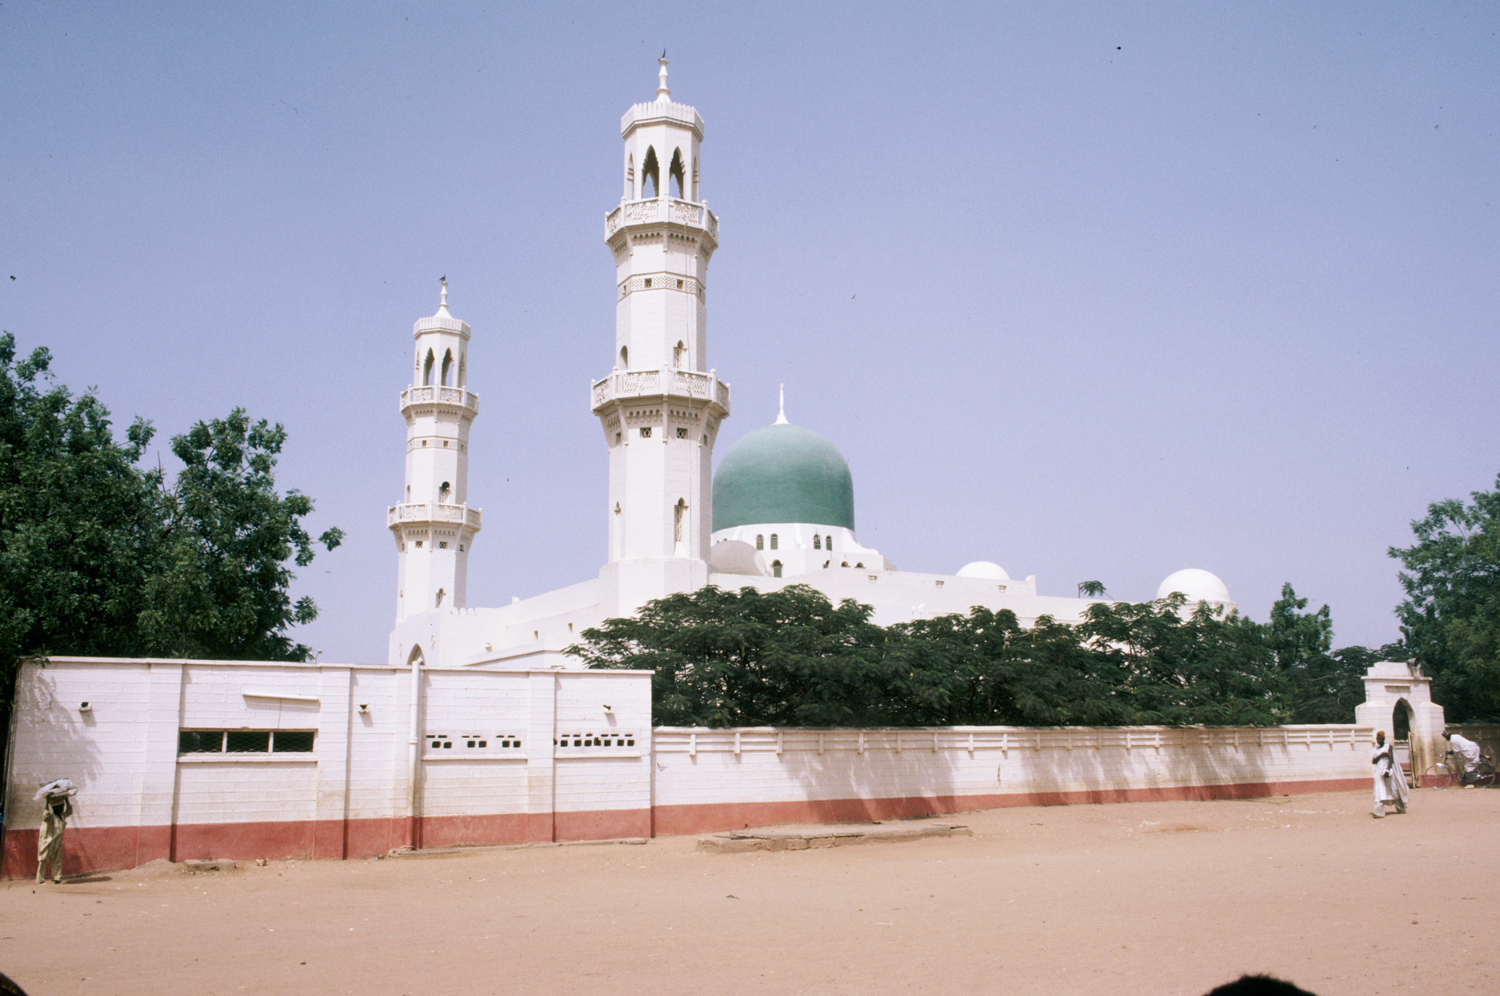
[662, 210]
[660, 383]
[433, 512]
[458, 397]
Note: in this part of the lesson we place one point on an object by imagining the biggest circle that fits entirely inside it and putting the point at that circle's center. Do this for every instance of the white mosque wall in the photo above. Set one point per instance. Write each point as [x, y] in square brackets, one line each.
[708, 780]
[525, 754]
[793, 547]
[540, 754]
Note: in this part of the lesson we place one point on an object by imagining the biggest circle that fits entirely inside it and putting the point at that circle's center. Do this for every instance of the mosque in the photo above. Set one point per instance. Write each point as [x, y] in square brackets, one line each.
[779, 511]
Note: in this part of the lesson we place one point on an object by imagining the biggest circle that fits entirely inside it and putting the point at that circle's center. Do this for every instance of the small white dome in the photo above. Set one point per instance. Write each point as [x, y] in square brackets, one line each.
[736, 557]
[983, 569]
[1198, 586]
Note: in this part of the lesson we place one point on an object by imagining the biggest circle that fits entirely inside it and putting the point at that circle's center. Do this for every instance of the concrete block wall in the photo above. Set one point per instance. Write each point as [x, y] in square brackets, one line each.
[141, 800]
[709, 780]
[543, 754]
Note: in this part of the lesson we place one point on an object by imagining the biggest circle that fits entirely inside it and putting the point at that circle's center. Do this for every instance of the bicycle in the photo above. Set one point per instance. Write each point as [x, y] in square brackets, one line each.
[1450, 769]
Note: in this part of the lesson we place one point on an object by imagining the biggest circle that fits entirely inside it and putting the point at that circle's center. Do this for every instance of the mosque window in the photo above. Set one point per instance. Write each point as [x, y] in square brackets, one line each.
[650, 175]
[442, 544]
[776, 568]
[844, 564]
[645, 432]
[677, 517]
[859, 565]
[773, 541]
[648, 281]
[630, 177]
[419, 544]
[817, 542]
[828, 542]
[448, 369]
[760, 541]
[677, 180]
[427, 370]
[624, 357]
[681, 432]
[617, 439]
[679, 285]
[440, 594]
[679, 349]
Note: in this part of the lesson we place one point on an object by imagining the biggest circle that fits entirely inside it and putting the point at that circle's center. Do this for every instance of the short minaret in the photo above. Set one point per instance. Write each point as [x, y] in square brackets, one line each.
[434, 526]
[661, 406]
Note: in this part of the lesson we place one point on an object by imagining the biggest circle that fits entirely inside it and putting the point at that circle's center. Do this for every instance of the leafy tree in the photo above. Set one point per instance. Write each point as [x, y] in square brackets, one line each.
[100, 558]
[786, 658]
[220, 585]
[1091, 589]
[77, 520]
[1450, 619]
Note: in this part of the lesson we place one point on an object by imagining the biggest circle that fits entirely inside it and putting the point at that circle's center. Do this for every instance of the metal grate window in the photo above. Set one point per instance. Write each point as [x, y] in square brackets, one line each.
[246, 741]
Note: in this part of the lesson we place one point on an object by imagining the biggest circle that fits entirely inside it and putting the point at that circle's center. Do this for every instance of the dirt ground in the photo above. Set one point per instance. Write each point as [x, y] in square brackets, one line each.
[1136, 898]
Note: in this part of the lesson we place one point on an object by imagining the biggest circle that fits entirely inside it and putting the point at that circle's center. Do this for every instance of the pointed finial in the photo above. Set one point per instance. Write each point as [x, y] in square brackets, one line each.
[662, 93]
[781, 415]
[443, 297]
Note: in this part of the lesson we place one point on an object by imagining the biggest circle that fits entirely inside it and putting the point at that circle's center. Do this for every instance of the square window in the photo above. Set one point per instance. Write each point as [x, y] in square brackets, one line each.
[248, 742]
[200, 741]
[648, 281]
[293, 741]
[443, 545]
[645, 432]
[679, 285]
[681, 433]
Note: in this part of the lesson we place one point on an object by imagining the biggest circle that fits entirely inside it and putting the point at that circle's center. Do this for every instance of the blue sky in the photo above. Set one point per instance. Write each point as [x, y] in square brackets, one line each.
[1094, 291]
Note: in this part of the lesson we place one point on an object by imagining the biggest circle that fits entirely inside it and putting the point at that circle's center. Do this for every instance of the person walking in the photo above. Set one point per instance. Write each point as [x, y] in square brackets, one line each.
[1390, 783]
[55, 812]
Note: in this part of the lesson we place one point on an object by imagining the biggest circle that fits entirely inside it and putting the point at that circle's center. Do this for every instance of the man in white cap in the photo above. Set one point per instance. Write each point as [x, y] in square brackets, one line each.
[55, 812]
[1469, 751]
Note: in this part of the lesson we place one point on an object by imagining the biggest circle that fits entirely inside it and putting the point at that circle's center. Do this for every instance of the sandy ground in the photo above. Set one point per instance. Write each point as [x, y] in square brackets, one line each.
[1136, 898]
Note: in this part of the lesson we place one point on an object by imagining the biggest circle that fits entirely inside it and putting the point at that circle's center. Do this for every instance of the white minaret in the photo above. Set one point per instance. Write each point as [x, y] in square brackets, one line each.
[434, 526]
[661, 406]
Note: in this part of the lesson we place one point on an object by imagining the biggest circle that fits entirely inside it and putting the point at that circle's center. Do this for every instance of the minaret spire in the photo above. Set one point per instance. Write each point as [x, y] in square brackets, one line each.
[662, 93]
[781, 417]
[443, 298]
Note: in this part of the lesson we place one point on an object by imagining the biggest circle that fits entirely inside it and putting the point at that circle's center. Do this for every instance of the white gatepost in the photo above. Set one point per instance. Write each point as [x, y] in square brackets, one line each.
[1389, 685]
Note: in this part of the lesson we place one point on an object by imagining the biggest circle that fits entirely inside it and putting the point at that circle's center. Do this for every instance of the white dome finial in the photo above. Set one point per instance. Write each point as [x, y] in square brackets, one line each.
[443, 297]
[781, 415]
[662, 93]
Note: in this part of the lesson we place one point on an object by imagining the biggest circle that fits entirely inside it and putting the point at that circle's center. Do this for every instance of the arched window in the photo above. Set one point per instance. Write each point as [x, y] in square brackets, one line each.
[828, 542]
[630, 178]
[773, 541]
[439, 602]
[776, 568]
[679, 352]
[679, 512]
[463, 379]
[861, 564]
[817, 542]
[650, 176]
[624, 357]
[678, 182]
[427, 370]
[844, 564]
[447, 380]
[760, 541]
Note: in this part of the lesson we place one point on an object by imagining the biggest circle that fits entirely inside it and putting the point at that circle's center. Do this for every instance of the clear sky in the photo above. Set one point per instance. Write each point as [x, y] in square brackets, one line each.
[1094, 291]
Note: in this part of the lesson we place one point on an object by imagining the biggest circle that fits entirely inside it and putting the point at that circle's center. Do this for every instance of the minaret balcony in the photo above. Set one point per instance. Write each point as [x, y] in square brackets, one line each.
[432, 512]
[456, 398]
[664, 383]
[662, 211]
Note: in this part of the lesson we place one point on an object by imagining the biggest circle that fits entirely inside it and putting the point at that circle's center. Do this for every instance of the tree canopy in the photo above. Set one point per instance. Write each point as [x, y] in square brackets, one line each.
[99, 557]
[789, 657]
[1450, 618]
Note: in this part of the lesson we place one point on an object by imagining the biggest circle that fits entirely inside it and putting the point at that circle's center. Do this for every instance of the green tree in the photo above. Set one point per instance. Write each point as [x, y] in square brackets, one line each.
[1450, 619]
[220, 584]
[78, 522]
[748, 658]
[1091, 589]
[98, 557]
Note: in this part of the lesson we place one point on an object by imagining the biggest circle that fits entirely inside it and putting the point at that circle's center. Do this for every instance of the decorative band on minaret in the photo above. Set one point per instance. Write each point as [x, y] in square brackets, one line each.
[434, 527]
[661, 405]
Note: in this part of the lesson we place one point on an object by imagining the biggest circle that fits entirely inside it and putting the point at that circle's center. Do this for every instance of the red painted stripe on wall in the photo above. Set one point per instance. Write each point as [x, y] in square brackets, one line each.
[98, 849]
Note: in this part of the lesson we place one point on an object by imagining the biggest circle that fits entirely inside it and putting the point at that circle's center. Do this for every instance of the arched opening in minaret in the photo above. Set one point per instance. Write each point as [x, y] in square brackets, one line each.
[650, 176]
[463, 365]
[630, 177]
[679, 353]
[678, 175]
[427, 370]
[448, 369]
[624, 357]
[679, 515]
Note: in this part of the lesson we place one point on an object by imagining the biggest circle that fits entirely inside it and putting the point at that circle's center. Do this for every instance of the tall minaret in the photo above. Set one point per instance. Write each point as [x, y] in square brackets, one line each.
[661, 406]
[434, 526]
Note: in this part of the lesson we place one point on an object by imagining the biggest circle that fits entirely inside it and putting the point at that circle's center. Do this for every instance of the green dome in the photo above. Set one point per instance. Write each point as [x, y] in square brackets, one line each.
[783, 473]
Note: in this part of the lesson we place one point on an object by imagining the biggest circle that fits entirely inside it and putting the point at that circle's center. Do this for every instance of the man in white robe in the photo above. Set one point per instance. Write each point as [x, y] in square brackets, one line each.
[1468, 750]
[1390, 782]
